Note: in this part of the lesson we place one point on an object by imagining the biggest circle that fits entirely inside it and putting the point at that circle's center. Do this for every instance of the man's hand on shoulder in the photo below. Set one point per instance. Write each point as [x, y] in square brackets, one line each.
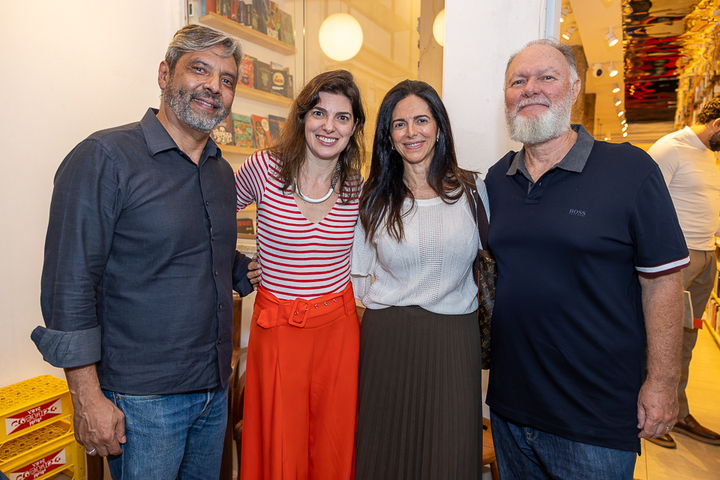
[99, 424]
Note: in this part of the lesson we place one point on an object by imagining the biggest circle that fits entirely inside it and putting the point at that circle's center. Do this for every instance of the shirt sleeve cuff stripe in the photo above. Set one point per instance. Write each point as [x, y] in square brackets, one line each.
[666, 267]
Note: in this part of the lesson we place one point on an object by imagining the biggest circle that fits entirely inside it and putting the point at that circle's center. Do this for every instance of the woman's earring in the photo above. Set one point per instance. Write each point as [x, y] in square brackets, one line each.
[392, 146]
[437, 139]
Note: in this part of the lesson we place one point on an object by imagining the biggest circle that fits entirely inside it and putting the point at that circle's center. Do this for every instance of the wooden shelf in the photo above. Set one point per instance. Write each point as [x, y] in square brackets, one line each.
[246, 33]
[237, 150]
[260, 96]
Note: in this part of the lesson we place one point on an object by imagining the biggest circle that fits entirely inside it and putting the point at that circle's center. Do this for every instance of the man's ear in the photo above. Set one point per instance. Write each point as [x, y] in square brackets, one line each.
[576, 90]
[715, 124]
[163, 75]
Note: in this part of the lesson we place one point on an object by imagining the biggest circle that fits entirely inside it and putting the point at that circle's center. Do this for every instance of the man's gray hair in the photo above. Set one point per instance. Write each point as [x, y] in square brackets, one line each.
[565, 50]
[197, 38]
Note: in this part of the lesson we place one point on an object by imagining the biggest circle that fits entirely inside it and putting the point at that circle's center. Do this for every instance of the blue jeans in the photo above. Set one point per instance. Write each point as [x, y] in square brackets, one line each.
[524, 453]
[171, 437]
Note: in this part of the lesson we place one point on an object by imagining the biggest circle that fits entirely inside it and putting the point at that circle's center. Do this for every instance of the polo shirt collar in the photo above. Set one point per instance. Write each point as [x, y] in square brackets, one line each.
[159, 140]
[574, 160]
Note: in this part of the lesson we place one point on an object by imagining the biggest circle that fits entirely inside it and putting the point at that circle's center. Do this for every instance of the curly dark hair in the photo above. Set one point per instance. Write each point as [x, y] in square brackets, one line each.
[710, 111]
[290, 149]
[385, 191]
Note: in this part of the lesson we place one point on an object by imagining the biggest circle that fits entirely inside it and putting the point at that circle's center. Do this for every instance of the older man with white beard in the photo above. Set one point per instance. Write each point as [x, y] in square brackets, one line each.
[586, 329]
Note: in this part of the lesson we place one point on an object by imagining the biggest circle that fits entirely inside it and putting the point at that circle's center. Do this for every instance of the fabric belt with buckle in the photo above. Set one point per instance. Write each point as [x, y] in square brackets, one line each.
[303, 313]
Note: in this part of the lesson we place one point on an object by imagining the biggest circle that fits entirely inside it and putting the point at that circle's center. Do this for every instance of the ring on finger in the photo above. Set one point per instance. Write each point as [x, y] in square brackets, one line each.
[91, 452]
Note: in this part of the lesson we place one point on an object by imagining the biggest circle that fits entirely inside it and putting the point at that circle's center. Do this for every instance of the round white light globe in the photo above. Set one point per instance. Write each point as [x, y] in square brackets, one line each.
[439, 28]
[341, 37]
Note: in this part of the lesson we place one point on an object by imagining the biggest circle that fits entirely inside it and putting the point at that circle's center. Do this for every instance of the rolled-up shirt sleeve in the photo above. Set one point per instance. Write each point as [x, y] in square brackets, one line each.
[83, 211]
[241, 283]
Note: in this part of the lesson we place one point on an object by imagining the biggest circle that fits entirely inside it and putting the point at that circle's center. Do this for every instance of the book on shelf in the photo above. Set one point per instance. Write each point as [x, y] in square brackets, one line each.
[263, 76]
[261, 11]
[223, 133]
[287, 81]
[241, 12]
[242, 125]
[261, 130]
[247, 69]
[223, 7]
[287, 33]
[210, 6]
[250, 16]
[279, 81]
[275, 124]
[273, 19]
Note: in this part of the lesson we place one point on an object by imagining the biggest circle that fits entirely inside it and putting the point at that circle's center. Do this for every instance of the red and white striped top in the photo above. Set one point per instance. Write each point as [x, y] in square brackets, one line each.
[299, 259]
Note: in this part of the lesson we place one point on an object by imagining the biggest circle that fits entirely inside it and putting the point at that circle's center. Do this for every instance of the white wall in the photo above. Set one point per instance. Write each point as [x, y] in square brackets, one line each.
[68, 69]
[474, 70]
[473, 75]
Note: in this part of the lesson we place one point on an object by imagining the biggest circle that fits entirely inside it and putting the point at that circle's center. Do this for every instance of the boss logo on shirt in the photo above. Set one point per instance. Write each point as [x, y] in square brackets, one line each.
[577, 213]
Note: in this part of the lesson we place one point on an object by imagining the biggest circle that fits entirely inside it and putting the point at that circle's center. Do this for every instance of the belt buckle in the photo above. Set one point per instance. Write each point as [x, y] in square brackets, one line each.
[298, 315]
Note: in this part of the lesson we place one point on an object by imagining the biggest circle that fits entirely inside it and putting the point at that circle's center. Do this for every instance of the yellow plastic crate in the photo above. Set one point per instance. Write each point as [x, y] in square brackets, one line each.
[43, 454]
[28, 405]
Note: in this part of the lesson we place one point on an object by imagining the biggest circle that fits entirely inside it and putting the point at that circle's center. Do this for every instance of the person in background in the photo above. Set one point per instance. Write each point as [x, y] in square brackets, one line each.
[140, 263]
[586, 327]
[419, 393]
[301, 378]
[689, 167]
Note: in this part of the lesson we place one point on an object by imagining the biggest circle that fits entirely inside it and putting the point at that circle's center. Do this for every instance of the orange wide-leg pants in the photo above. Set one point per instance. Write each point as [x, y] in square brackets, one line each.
[301, 389]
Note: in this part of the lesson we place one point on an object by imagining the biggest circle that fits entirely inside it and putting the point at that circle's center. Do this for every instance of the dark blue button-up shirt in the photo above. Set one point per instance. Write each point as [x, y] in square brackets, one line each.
[140, 263]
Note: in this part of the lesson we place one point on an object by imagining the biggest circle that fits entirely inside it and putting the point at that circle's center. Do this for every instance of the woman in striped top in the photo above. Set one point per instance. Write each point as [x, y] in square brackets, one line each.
[301, 377]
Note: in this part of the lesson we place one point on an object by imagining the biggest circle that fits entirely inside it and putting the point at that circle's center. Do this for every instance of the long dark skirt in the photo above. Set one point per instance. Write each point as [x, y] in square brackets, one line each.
[419, 410]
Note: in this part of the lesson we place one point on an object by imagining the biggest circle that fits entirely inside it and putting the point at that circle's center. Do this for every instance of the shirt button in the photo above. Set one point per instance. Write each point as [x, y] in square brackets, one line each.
[216, 273]
[220, 306]
[207, 204]
[219, 342]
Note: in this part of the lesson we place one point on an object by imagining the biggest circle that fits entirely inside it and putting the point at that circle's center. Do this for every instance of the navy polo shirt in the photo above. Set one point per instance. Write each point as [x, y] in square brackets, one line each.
[568, 333]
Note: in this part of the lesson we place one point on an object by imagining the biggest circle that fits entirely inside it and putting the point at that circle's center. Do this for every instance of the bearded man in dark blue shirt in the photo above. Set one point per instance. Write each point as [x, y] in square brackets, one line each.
[140, 263]
[586, 328]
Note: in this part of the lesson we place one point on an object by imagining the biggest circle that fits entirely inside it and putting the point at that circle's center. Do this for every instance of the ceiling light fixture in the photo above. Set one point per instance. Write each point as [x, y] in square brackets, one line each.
[624, 121]
[617, 101]
[613, 71]
[624, 134]
[439, 28]
[612, 40]
[568, 32]
[625, 127]
[616, 88]
[340, 36]
[564, 13]
[621, 113]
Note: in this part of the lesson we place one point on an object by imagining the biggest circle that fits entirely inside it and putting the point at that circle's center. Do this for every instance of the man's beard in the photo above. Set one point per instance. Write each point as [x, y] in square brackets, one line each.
[180, 100]
[714, 142]
[551, 124]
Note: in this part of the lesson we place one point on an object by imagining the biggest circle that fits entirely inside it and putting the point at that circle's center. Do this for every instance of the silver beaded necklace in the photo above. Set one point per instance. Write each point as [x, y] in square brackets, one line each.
[335, 177]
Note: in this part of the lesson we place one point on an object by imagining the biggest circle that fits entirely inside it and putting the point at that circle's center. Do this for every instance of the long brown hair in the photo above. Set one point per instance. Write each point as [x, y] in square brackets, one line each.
[291, 147]
[385, 191]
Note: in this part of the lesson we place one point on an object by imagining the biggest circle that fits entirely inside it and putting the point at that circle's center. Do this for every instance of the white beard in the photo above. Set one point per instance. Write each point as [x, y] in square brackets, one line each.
[551, 124]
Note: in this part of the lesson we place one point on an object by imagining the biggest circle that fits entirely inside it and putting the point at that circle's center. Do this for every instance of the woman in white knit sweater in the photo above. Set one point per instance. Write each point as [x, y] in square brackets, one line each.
[419, 391]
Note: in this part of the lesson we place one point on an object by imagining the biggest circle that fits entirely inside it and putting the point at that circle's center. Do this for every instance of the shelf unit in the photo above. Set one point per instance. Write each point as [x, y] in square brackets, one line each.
[246, 33]
[238, 150]
[260, 96]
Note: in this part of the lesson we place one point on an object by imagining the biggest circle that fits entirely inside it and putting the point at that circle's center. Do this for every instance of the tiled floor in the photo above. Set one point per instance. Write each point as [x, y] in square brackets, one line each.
[692, 460]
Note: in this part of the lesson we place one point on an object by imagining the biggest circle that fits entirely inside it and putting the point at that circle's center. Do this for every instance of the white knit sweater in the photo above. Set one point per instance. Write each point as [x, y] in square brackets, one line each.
[431, 267]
